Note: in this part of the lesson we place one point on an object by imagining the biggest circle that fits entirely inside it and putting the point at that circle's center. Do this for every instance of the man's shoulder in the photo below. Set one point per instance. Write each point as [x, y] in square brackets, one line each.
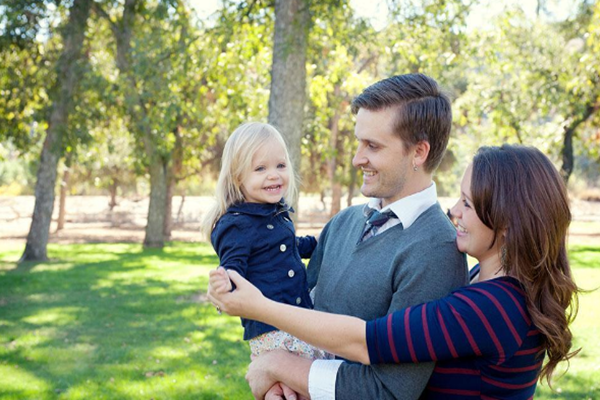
[433, 222]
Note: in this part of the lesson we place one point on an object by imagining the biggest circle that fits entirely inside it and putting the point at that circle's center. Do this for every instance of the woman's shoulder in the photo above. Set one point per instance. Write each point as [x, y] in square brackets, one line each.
[504, 294]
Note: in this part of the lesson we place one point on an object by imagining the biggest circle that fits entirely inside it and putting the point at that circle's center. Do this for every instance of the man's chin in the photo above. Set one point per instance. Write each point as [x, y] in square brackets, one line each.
[368, 191]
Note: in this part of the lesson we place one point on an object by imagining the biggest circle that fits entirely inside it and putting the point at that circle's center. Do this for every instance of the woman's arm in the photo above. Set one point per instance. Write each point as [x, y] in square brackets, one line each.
[337, 334]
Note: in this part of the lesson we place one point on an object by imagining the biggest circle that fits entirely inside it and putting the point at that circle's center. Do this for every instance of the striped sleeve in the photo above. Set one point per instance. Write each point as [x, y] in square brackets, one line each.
[486, 319]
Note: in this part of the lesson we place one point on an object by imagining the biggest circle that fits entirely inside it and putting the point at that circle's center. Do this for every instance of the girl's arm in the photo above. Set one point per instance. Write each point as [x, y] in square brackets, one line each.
[338, 334]
[306, 245]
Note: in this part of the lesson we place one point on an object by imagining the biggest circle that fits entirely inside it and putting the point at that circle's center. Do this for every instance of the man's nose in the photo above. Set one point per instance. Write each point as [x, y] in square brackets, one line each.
[358, 159]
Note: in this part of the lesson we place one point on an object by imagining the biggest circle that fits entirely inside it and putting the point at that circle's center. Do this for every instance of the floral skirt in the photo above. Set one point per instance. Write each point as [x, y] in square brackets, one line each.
[280, 340]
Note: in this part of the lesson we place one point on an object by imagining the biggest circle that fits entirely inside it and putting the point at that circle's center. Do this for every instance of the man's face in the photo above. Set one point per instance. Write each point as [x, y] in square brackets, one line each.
[381, 156]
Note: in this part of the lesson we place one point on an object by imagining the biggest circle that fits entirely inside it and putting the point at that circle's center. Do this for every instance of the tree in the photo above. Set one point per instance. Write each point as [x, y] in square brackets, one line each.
[540, 91]
[343, 61]
[288, 74]
[61, 98]
[145, 58]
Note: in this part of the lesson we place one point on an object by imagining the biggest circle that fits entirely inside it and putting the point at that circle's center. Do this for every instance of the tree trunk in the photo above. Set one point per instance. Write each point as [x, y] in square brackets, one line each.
[180, 210]
[332, 162]
[62, 203]
[156, 209]
[174, 173]
[168, 219]
[288, 75]
[352, 184]
[114, 185]
[67, 78]
[567, 151]
[138, 113]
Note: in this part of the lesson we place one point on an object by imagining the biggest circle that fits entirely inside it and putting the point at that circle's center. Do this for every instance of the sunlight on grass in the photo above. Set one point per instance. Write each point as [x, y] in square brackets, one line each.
[53, 316]
[16, 379]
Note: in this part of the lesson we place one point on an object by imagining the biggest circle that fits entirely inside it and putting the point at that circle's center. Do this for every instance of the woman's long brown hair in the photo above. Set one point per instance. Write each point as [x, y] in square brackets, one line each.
[520, 195]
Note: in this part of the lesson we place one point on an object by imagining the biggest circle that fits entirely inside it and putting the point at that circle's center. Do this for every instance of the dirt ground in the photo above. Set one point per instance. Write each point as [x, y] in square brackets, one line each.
[89, 219]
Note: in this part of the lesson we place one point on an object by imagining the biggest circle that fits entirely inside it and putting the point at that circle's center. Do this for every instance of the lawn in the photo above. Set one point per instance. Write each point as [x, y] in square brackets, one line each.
[114, 321]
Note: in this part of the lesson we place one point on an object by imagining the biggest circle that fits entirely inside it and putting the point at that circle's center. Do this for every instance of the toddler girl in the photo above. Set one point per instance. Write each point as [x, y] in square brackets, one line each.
[252, 233]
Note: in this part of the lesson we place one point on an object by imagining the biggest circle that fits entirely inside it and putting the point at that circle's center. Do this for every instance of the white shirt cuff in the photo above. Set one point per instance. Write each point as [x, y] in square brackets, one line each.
[321, 379]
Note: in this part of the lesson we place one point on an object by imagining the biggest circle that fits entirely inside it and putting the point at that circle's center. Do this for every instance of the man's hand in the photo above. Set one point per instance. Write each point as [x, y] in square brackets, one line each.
[281, 391]
[279, 366]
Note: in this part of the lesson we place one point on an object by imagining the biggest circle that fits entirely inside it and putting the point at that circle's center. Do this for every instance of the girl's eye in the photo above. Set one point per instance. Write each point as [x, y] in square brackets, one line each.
[282, 165]
[258, 169]
[466, 203]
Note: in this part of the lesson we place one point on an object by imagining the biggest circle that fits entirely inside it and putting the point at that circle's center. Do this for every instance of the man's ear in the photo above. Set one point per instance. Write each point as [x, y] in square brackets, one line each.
[421, 152]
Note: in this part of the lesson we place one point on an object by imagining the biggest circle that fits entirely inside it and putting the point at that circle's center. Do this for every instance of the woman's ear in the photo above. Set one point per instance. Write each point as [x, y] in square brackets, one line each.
[421, 152]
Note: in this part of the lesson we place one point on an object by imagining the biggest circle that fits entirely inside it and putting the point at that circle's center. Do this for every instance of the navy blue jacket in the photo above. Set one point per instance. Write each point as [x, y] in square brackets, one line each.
[259, 242]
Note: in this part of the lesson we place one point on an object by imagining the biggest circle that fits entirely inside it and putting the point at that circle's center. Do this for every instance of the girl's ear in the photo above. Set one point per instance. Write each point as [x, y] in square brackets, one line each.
[421, 152]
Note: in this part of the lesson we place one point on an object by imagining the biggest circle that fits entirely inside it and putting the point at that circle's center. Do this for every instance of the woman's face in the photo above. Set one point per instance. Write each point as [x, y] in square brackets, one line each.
[472, 236]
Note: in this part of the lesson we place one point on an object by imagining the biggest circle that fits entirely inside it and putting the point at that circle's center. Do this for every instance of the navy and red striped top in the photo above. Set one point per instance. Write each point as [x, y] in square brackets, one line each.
[480, 335]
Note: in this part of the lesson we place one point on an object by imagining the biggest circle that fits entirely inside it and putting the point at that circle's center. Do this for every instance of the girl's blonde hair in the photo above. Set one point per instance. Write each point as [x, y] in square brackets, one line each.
[236, 162]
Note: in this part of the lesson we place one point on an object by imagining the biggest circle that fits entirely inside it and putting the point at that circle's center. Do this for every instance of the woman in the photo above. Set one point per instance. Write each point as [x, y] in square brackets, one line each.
[489, 338]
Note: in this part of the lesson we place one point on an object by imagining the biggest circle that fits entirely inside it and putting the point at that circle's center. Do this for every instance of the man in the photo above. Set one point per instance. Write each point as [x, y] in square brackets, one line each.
[398, 250]
[402, 126]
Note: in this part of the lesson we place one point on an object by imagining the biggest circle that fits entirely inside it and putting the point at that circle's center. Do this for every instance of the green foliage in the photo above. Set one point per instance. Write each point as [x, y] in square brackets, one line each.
[528, 91]
[17, 171]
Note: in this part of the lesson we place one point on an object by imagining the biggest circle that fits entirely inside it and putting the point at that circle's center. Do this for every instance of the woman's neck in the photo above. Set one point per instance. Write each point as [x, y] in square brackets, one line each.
[490, 268]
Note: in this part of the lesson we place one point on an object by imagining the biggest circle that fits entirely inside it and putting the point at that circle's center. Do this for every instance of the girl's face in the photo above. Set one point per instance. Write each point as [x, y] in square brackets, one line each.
[268, 178]
[472, 236]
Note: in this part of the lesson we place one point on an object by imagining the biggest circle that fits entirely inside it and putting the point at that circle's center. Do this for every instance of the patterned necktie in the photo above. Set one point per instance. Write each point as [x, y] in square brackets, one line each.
[376, 220]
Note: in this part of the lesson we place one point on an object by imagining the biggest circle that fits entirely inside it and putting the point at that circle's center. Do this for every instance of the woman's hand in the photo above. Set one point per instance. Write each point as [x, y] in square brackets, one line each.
[245, 301]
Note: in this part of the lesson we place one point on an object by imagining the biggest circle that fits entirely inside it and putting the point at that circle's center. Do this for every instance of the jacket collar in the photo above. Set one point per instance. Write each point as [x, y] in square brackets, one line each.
[261, 209]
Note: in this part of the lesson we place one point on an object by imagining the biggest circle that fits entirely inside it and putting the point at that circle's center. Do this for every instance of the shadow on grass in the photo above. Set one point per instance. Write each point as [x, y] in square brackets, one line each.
[108, 328]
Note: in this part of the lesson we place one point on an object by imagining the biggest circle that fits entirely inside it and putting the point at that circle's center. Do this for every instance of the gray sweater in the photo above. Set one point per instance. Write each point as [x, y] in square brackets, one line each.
[393, 270]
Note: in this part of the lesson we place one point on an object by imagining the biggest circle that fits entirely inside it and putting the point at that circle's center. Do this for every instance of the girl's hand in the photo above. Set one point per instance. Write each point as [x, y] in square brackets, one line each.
[219, 281]
[245, 301]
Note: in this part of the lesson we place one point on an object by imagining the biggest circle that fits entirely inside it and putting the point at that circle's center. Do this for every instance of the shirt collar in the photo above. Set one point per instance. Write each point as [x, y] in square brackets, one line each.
[408, 208]
[261, 209]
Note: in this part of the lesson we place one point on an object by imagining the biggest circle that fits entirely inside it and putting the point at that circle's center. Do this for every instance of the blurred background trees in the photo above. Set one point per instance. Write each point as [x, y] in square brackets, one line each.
[138, 97]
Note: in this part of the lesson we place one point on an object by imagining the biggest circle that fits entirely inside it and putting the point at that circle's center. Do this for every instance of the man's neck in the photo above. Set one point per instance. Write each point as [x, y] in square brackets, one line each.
[409, 190]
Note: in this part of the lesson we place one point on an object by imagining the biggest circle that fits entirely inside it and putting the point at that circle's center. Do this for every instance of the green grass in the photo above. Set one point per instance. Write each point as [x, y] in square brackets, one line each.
[114, 321]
